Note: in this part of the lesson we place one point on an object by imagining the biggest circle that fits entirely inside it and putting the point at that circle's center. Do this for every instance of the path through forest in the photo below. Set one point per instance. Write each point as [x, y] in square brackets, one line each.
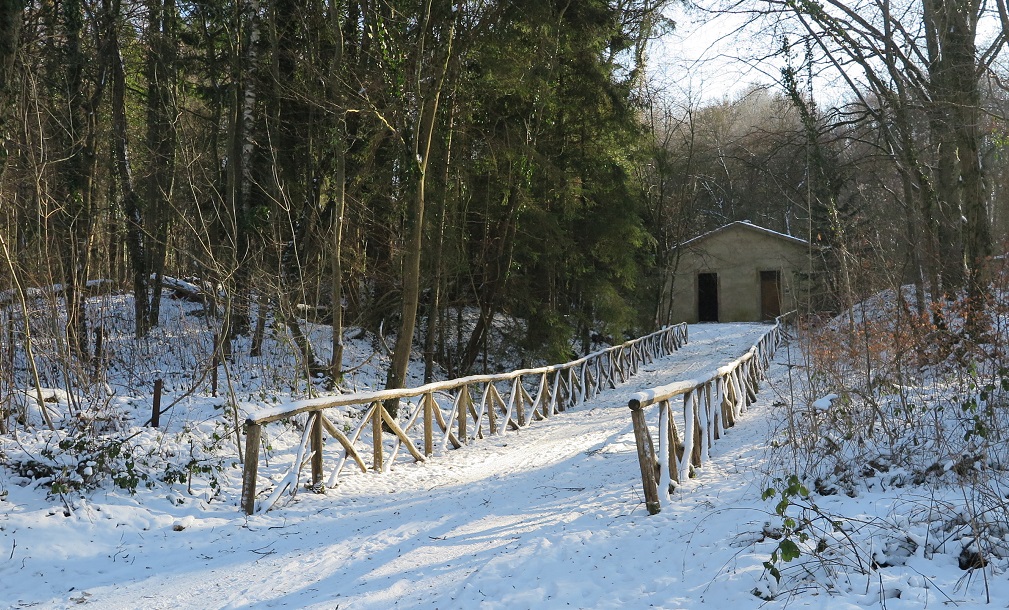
[550, 516]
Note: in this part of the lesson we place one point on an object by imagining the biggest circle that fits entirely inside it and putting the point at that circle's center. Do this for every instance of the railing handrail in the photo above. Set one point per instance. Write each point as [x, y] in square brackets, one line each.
[266, 416]
[560, 386]
[647, 398]
[704, 423]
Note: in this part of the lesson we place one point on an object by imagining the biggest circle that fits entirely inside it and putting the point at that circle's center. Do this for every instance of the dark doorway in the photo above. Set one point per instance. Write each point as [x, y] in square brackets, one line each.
[707, 297]
[770, 295]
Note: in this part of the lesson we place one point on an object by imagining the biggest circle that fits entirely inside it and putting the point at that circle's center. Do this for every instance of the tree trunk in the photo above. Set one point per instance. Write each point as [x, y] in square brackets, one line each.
[11, 14]
[336, 256]
[951, 31]
[495, 277]
[339, 192]
[161, 138]
[434, 308]
[135, 237]
[411, 295]
[422, 136]
[242, 145]
[81, 130]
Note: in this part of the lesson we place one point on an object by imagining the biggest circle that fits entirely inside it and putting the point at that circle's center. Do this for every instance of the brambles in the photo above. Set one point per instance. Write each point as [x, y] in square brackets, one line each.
[917, 409]
[789, 534]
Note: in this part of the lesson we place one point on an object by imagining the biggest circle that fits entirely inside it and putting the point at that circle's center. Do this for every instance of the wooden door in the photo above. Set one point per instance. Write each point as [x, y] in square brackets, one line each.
[770, 295]
[707, 297]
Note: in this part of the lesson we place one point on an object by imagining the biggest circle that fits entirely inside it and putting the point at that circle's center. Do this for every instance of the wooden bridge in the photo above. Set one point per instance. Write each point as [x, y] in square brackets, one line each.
[443, 415]
[712, 402]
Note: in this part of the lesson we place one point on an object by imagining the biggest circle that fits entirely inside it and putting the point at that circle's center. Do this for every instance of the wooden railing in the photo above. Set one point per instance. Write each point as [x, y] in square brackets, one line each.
[711, 403]
[443, 413]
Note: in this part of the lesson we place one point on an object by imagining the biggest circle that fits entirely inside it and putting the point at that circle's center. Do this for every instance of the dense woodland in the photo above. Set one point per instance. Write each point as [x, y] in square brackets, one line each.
[242, 204]
[397, 166]
[404, 159]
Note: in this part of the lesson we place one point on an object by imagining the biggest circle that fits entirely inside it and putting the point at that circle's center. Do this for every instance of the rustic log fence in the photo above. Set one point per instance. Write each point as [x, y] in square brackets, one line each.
[441, 414]
[711, 404]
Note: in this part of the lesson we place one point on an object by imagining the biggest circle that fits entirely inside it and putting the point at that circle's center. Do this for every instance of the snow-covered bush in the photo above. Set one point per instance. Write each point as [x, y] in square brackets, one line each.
[886, 396]
[72, 423]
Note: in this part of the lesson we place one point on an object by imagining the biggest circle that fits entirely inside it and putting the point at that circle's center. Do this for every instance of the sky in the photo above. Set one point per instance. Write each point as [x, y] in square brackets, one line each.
[704, 57]
[716, 53]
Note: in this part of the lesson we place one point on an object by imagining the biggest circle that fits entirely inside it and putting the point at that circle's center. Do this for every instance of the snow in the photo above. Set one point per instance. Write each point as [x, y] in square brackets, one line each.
[10, 296]
[749, 225]
[824, 403]
[550, 516]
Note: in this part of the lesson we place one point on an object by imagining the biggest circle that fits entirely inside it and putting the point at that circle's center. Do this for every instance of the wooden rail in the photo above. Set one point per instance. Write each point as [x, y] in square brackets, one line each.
[442, 414]
[711, 403]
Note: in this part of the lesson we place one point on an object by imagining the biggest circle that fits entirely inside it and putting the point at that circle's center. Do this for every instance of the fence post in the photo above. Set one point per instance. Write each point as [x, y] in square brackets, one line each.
[696, 455]
[752, 382]
[376, 437]
[214, 364]
[519, 403]
[99, 356]
[156, 405]
[492, 405]
[714, 416]
[428, 425]
[317, 450]
[543, 396]
[253, 433]
[646, 457]
[673, 456]
[463, 411]
[728, 418]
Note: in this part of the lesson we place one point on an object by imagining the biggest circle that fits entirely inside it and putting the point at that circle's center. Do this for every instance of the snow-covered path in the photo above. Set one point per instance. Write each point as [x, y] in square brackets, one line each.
[550, 516]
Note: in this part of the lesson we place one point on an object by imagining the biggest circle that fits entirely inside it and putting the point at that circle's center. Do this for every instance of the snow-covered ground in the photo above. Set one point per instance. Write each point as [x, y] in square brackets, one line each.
[551, 516]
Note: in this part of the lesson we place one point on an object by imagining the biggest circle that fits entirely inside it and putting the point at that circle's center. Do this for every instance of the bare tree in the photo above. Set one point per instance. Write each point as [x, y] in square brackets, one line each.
[10, 34]
[436, 30]
[918, 58]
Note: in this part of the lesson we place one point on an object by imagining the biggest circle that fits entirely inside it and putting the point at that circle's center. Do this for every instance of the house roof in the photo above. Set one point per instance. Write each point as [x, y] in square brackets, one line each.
[745, 224]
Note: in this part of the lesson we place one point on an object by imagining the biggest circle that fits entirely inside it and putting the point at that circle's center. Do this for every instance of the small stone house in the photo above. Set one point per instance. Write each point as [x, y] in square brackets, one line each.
[737, 273]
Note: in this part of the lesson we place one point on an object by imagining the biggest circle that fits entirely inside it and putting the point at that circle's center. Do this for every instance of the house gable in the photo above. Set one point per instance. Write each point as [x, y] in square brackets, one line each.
[748, 270]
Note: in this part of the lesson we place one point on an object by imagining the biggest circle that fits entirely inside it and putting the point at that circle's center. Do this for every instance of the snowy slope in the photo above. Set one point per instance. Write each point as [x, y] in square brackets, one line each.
[551, 516]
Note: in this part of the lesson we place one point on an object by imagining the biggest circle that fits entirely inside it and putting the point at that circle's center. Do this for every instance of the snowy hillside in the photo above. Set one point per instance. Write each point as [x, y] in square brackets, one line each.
[551, 516]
